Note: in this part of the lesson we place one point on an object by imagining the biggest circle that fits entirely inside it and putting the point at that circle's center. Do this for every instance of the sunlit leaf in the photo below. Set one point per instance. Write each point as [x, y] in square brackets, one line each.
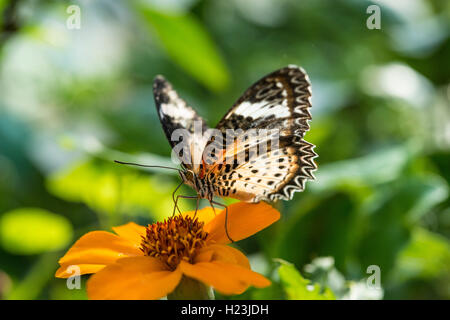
[299, 288]
[33, 230]
[427, 255]
[188, 43]
[114, 190]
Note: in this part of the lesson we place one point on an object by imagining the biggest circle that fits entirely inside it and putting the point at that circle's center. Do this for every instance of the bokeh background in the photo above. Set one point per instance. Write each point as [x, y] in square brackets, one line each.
[73, 100]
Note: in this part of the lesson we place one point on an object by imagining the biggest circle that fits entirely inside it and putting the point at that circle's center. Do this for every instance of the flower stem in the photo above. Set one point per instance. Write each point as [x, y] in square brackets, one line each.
[191, 289]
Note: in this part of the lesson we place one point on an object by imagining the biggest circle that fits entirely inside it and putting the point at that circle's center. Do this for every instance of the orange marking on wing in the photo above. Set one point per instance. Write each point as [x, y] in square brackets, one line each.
[202, 172]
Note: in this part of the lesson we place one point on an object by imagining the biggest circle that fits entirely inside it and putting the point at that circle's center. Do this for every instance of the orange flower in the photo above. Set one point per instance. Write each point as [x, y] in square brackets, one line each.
[149, 263]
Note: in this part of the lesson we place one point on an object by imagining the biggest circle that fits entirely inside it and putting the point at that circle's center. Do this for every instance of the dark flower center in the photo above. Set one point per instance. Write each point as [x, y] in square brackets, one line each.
[177, 238]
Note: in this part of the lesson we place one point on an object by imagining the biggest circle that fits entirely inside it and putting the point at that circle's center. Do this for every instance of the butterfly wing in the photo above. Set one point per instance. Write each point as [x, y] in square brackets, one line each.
[278, 103]
[174, 113]
[278, 100]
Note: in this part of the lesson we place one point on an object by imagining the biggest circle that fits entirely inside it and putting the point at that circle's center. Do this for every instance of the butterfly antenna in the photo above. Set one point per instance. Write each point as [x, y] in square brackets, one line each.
[146, 166]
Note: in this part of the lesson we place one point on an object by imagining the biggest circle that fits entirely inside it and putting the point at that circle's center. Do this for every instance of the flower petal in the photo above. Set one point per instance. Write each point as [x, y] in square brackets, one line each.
[132, 232]
[66, 270]
[224, 277]
[219, 252]
[96, 248]
[244, 220]
[205, 215]
[136, 278]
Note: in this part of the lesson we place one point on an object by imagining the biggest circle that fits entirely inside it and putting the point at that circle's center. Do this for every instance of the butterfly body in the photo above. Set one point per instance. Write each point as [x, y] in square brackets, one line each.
[209, 186]
[258, 151]
[204, 188]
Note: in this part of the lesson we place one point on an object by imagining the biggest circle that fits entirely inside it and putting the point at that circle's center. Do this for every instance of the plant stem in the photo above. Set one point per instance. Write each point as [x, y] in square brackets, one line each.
[191, 289]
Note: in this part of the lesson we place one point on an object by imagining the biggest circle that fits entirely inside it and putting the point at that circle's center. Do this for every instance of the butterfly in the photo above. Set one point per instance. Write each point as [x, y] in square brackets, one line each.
[250, 166]
[279, 102]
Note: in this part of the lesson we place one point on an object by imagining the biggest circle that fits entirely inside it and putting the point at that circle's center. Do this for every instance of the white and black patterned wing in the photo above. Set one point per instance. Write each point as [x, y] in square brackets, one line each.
[279, 102]
[174, 113]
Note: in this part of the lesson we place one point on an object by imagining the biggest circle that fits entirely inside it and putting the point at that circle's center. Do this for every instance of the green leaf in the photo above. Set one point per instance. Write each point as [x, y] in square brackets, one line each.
[322, 271]
[323, 226]
[188, 43]
[391, 214]
[299, 288]
[58, 290]
[114, 189]
[31, 285]
[375, 168]
[34, 230]
[3, 4]
[409, 198]
[426, 256]
[428, 191]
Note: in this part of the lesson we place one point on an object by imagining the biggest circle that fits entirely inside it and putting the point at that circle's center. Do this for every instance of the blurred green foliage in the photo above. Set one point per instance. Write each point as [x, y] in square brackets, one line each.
[73, 100]
[298, 288]
[33, 231]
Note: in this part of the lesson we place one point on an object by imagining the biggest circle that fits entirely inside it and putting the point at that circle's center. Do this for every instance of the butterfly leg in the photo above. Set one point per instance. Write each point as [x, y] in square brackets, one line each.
[226, 218]
[196, 207]
[212, 206]
[175, 201]
[195, 213]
